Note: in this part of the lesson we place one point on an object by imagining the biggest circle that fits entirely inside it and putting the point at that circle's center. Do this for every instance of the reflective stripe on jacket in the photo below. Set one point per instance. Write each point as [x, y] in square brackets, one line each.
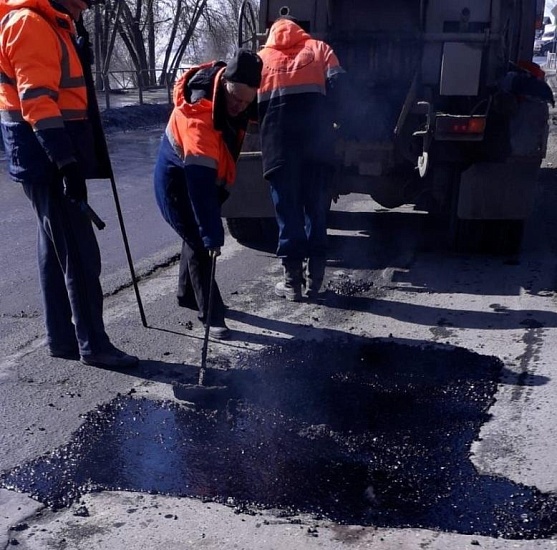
[192, 133]
[293, 111]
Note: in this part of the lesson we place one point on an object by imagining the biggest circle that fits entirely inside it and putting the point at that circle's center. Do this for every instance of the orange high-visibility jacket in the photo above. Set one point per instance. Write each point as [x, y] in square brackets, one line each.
[41, 77]
[192, 132]
[294, 115]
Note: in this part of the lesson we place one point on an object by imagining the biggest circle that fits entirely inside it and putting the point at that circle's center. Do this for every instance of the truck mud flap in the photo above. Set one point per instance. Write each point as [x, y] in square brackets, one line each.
[498, 191]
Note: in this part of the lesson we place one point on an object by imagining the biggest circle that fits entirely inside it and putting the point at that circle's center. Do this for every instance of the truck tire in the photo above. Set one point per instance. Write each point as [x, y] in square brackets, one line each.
[253, 230]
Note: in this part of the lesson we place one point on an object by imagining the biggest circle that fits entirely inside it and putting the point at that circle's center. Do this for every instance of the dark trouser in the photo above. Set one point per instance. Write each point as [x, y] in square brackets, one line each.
[69, 271]
[172, 196]
[301, 194]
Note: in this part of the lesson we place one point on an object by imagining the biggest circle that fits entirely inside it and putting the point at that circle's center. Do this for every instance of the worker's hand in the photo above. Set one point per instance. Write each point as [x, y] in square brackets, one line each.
[75, 188]
[214, 252]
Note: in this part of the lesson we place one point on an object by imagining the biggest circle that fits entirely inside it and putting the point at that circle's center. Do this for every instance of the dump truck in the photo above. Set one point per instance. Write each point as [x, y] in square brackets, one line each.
[443, 110]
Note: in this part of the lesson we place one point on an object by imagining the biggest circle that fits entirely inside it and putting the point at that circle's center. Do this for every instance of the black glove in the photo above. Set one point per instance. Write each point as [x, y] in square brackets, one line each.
[74, 182]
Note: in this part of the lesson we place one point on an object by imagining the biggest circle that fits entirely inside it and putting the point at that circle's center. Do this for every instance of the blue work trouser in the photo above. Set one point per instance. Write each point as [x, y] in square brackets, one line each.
[301, 194]
[69, 270]
[171, 193]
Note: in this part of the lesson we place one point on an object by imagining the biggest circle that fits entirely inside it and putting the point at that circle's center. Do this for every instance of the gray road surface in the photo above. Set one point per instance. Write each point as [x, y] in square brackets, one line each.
[133, 157]
[421, 294]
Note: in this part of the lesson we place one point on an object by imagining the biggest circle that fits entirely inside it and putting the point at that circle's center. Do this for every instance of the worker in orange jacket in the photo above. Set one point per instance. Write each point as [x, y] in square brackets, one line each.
[296, 113]
[213, 104]
[51, 151]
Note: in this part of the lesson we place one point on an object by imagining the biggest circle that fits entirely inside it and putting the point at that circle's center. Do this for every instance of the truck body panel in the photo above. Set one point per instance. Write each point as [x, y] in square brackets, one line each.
[426, 112]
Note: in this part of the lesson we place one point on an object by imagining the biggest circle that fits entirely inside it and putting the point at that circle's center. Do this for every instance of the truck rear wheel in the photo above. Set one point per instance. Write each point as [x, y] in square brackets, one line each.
[253, 230]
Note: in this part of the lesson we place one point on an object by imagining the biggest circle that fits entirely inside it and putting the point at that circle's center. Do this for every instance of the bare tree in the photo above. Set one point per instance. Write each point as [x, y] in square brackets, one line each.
[219, 36]
[187, 20]
[152, 38]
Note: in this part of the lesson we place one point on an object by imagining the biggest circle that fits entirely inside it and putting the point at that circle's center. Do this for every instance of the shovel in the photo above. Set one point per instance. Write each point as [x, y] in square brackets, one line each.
[200, 394]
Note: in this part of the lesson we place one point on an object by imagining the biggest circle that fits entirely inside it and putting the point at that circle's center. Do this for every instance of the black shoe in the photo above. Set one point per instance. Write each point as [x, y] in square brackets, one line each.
[70, 354]
[113, 358]
[219, 331]
[291, 293]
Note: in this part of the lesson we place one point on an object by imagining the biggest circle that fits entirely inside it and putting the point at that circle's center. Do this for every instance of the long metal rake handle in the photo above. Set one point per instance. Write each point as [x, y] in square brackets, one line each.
[208, 319]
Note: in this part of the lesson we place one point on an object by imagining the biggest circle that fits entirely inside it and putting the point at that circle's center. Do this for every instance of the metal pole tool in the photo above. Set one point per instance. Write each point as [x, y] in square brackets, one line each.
[201, 394]
[104, 164]
[208, 318]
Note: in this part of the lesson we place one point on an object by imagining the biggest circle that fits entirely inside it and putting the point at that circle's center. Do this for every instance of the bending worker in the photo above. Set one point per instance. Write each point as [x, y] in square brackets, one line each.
[50, 149]
[196, 161]
[296, 126]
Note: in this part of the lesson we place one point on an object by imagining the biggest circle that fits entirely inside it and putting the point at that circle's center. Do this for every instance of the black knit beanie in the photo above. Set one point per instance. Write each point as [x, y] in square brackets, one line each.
[245, 68]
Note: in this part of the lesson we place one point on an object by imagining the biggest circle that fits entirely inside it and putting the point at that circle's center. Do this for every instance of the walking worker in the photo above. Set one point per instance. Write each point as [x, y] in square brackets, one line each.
[296, 115]
[213, 104]
[50, 149]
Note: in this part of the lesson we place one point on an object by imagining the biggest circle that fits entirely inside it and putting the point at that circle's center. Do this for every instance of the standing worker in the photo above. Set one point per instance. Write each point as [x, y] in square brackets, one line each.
[50, 149]
[296, 114]
[213, 104]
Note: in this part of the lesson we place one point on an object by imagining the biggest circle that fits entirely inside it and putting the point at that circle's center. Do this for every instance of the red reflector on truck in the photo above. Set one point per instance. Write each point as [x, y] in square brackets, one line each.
[476, 125]
[459, 125]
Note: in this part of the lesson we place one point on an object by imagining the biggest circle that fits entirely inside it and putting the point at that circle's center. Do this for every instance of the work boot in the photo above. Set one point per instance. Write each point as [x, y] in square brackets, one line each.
[111, 357]
[64, 353]
[291, 287]
[218, 330]
[314, 274]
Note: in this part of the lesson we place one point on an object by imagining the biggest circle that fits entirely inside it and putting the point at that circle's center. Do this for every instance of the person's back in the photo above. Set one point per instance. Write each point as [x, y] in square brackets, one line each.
[294, 111]
[297, 143]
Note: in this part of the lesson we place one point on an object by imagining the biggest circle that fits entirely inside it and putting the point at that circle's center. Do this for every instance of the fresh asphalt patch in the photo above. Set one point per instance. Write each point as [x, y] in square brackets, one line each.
[360, 431]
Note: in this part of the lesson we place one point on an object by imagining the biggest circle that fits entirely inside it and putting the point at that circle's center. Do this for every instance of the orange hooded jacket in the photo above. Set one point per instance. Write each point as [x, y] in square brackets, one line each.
[41, 78]
[294, 114]
[41, 88]
[192, 132]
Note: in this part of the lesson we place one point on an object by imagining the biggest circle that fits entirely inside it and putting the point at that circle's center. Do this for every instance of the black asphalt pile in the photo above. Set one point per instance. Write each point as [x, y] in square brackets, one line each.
[134, 117]
[360, 431]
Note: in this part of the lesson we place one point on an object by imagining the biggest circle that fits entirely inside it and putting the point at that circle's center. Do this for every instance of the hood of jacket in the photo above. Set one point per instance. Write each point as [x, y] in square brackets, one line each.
[197, 93]
[285, 34]
[43, 7]
[200, 82]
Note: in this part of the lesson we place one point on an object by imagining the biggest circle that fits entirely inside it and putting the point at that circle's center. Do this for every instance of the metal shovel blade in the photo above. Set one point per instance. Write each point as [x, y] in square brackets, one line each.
[203, 396]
